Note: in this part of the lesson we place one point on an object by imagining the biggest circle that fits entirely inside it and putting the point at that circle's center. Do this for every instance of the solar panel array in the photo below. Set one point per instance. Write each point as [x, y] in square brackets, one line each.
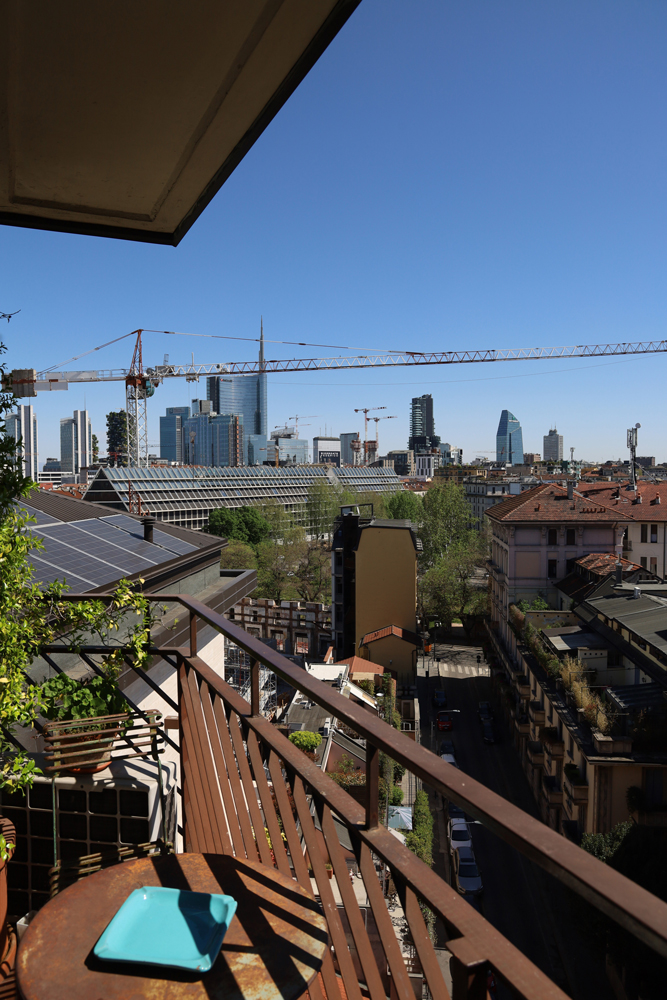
[96, 551]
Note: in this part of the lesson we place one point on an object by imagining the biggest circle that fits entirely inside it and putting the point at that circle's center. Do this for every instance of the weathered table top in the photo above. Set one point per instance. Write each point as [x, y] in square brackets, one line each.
[273, 948]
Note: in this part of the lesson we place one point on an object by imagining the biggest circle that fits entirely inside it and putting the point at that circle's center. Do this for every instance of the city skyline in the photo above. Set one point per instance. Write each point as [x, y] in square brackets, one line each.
[494, 203]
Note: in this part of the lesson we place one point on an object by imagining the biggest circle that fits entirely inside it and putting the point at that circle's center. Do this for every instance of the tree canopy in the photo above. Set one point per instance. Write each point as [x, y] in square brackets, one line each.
[243, 524]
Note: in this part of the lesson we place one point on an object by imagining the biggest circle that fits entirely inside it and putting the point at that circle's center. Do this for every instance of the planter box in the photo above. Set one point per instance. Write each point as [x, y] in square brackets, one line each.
[551, 790]
[577, 791]
[535, 752]
[536, 713]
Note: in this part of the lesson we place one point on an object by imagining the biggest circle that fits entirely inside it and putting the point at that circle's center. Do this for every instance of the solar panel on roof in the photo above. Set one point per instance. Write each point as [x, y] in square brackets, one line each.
[129, 543]
[120, 561]
[176, 545]
[71, 562]
[44, 574]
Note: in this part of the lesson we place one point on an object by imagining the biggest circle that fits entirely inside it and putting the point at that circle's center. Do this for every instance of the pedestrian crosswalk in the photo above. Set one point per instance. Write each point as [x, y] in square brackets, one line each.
[460, 670]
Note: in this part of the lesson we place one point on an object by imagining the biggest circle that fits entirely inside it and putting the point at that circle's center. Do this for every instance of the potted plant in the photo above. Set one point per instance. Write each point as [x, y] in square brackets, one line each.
[85, 745]
[329, 869]
[7, 936]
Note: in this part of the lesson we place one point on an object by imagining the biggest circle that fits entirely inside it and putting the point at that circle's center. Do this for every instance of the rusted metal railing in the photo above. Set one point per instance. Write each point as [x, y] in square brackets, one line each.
[230, 805]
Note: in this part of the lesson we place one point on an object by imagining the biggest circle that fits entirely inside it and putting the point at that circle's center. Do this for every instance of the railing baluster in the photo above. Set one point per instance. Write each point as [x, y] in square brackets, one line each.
[192, 820]
[365, 953]
[422, 942]
[242, 811]
[300, 869]
[372, 785]
[230, 807]
[216, 836]
[246, 780]
[383, 922]
[329, 907]
[254, 688]
[193, 634]
[468, 971]
[268, 807]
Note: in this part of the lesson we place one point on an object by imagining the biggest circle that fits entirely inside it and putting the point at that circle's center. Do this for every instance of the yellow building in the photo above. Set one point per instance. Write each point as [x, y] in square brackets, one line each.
[374, 592]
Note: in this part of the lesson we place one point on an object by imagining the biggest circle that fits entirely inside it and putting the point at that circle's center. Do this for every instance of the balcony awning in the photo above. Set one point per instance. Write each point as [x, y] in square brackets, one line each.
[125, 119]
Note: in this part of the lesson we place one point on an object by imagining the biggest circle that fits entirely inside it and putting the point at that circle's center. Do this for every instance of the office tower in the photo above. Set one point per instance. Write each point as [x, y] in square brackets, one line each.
[350, 449]
[226, 440]
[76, 443]
[257, 449]
[422, 426]
[22, 426]
[509, 440]
[290, 449]
[553, 446]
[327, 451]
[243, 396]
[171, 433]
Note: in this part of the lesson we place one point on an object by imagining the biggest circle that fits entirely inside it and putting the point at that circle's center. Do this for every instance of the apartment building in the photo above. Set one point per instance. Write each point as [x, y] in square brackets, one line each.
[537, 537]
[298, 627]
[482, 494]
[374, 588]
[645, 504]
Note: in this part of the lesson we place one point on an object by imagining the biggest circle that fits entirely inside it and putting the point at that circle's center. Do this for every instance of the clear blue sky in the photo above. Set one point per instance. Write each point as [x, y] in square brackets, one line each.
[449, 175]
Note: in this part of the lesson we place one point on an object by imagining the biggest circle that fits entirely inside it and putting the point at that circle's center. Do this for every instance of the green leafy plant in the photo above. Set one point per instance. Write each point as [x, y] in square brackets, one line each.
[65, 698]
[5, 848]
[306, 741]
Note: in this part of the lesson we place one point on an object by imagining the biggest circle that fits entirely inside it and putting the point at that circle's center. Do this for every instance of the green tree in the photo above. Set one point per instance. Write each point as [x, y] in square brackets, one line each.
[322, 507]
[96, 449]
[238, 555]
[117, 437]
[312, 570]
[244, 524]
[305, 740]
[446, 521]
[404, 506]
[448, 590]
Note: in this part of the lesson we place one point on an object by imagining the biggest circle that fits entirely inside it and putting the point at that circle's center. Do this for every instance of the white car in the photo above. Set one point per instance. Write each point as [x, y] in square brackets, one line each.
[449, 758]
[458, 834]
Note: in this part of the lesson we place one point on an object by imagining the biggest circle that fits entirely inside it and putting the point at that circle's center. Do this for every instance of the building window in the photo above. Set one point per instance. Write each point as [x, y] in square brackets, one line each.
[654, 565]
[552, 538]
[571, 537]
[552, 569]
[654, 532]
[569, 566]
[643, 559]
[644, 533]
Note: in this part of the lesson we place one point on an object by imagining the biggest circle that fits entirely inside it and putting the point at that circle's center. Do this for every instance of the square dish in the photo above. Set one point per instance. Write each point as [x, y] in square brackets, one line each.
[172, 927]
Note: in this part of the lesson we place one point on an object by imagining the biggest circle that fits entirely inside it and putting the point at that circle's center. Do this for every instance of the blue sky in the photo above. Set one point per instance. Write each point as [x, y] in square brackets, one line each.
[449, 175]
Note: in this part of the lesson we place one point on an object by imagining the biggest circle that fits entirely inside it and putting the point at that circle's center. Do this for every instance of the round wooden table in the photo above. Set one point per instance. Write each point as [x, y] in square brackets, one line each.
[273, 948]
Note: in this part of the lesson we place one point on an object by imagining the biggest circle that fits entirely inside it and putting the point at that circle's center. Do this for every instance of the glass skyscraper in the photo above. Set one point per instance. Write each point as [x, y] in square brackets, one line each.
[509, 440]
[171, 433]
[243, 396]
[76, 442]
[22, 426]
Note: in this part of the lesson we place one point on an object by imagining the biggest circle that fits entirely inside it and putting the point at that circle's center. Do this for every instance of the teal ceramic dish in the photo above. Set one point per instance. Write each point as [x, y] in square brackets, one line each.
[173, 927]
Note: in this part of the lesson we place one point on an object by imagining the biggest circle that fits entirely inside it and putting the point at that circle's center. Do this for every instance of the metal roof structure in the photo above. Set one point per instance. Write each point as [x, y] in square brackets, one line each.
[185, 495]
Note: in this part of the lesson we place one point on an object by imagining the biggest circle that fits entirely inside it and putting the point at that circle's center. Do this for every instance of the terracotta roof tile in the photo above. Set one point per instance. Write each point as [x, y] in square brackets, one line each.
[653, 506]
[549, 503]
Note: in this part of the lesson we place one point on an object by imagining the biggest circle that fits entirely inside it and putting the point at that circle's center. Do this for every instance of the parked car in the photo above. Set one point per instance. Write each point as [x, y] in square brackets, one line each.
[455, 812]
[440, 699]
[488, 734]
[465, 873]
[444, 721]
[449, 758]
[447, 746]
[485, 711]
[458, 834]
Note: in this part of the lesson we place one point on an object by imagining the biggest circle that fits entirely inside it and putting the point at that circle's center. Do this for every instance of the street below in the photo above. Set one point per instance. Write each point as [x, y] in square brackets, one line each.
[523, 902]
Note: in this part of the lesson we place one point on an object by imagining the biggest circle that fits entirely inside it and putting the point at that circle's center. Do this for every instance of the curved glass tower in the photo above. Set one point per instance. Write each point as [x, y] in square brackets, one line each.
[509, 440]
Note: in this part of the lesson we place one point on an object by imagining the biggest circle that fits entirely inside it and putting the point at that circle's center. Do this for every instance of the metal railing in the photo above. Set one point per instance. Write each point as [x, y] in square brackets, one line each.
[231, 806]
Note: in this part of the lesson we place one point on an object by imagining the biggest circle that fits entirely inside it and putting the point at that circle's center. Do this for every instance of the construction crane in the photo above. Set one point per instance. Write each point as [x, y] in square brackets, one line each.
[141, 383]
[296, 421]
[377, 436]
[366, 410]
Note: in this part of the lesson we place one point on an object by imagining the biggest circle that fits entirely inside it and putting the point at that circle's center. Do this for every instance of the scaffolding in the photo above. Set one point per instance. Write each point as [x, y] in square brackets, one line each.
[237, 675]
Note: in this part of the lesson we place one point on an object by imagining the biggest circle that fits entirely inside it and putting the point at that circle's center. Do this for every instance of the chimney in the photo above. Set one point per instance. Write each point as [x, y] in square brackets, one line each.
[148, 523]
[570, 489]
[637, 593]
[619, 572]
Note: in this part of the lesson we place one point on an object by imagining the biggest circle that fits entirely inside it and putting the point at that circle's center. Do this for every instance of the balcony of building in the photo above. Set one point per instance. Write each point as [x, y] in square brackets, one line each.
[553, 743]
[575, 787]
[535, 753]
[522, 685]
[246, 791]
[522, 724]
[536, 713]
[551, 790]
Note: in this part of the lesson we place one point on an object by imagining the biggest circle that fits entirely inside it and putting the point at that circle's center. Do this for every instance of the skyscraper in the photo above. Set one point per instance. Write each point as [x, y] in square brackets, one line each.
[553, 446]
[509, 440]
[243, 396]
[350, 455]
[421, 421]
[171, 433]
[22, 426]
[76, 443]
